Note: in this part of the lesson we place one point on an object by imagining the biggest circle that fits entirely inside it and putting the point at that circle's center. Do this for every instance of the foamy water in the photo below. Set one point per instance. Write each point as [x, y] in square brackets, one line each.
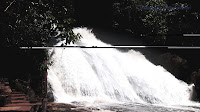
[106, 75]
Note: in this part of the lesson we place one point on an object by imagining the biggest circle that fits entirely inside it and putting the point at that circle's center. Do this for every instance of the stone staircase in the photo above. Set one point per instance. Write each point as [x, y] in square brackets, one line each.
[16, 101]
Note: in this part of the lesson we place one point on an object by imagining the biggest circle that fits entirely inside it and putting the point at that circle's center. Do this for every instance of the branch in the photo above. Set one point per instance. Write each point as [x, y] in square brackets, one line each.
[9, 5]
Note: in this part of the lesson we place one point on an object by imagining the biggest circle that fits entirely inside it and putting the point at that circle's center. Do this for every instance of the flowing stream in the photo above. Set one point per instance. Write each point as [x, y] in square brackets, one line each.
[102, 76]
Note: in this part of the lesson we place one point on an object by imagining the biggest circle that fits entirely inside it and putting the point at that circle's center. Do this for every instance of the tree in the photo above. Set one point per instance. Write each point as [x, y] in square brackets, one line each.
[156, 21]
[142, 18]
[183, 21]
[31, 23]
[126, 15]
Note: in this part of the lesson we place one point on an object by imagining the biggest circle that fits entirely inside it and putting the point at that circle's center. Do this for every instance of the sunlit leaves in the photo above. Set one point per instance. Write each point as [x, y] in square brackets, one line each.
[33, 22]
[155, 18]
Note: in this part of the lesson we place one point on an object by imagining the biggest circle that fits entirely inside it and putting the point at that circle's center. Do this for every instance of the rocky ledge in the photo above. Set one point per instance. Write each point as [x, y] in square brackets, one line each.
[62, 107]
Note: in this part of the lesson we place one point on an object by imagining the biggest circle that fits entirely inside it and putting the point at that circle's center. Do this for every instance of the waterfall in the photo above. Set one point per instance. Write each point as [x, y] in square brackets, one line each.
[109, 75]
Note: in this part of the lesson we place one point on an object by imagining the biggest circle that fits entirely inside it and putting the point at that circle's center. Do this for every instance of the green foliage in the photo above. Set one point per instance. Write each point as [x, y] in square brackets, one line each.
[183, 21]
[125, 15]
[132, 15]
[31, 23]
[45, 65]
[154, 19]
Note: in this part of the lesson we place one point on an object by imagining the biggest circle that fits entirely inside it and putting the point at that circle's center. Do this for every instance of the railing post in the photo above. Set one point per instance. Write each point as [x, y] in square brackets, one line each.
[44, 102]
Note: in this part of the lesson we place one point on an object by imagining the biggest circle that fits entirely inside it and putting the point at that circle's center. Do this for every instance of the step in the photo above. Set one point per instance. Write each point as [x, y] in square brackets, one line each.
[2, 86]
[19, 101]
[14, 95]
[18, 104]
[15, 92]
[6, 83]
[16, 109]
[4, 95]
[18, 98]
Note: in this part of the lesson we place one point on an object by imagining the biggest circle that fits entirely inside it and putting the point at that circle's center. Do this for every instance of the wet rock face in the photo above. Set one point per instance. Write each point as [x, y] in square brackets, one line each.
[181, 70]
[174, 64]
[195, 77]
[63, 107]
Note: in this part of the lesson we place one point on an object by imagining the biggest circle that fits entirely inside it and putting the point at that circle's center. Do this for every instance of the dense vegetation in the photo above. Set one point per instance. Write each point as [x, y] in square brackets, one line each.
[32, 23]
[158, 22]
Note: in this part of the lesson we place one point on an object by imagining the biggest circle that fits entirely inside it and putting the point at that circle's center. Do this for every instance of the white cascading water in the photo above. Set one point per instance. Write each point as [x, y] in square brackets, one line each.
[108, 75]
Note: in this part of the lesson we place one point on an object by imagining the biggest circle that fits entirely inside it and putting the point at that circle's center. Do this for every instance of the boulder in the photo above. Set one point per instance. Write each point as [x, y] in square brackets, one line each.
[63, 107]
[19, 86]
[31, 95]
[195, 77]
[175, 65]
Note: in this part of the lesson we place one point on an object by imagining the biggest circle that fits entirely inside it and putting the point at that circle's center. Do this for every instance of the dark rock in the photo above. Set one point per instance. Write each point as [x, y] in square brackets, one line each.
[19, 86]
[175, 65]
[50, 96]
[4, 92]
[60, 107]
[37, 108]
[2, 100]
[31, 95]
[193, 93]
[195, 77]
